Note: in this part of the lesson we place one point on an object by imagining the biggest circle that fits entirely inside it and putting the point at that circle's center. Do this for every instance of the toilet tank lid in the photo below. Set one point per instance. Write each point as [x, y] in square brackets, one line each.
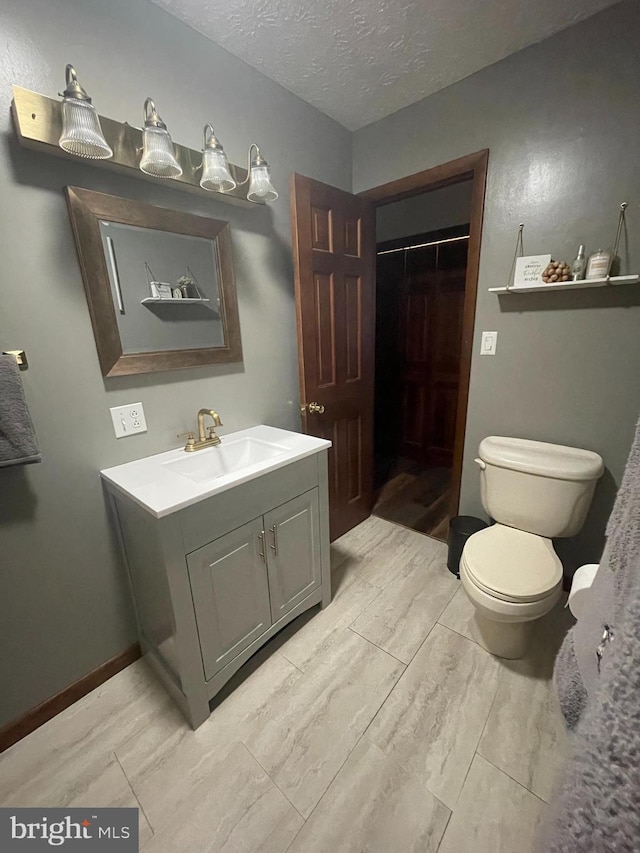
[541, 458]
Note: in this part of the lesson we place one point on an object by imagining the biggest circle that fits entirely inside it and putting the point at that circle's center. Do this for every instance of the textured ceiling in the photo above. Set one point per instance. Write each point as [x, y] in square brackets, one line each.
[360, 60]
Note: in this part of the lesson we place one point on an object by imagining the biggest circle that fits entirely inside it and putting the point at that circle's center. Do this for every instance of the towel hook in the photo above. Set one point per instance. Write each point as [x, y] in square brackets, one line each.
[19, 355]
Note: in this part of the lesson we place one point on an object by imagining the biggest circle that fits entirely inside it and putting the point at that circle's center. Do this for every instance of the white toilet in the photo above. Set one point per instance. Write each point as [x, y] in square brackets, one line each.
[534, 491]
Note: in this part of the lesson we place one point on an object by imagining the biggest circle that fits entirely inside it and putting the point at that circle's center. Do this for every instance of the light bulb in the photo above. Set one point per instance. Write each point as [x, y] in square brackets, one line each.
[81, 132]
[260, 186]
[216, 174]
[158, 154]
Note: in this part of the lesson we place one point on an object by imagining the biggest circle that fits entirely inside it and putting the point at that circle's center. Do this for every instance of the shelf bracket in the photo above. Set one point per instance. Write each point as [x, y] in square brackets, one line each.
[519, 252]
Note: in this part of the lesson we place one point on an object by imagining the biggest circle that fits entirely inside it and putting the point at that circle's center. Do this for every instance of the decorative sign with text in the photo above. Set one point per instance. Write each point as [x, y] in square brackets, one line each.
[529, 270]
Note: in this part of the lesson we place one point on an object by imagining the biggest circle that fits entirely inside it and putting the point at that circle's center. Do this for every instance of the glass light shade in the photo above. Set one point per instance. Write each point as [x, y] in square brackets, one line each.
[215, 171]
[260, 186]
[81, 131]
[158, 157]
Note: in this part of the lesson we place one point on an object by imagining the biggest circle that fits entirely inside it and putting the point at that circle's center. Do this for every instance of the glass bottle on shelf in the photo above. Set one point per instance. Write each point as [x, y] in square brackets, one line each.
[579, 265]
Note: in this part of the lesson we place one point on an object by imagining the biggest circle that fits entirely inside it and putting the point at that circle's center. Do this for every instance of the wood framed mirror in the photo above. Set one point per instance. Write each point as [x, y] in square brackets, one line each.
[159, 284]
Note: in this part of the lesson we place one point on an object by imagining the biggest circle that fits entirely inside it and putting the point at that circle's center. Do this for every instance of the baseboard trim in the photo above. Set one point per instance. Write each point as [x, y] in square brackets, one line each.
[22, 726]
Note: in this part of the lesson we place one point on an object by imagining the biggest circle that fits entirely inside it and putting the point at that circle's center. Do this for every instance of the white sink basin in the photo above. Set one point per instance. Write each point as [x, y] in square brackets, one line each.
[227, 458]
[168, 482]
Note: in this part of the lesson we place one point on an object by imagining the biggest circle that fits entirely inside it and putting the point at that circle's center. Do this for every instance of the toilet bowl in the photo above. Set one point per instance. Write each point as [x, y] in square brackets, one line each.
[510, 571]
[511, 577]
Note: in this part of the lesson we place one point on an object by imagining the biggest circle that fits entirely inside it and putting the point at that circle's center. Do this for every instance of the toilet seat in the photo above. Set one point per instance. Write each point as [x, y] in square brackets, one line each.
[511, 565]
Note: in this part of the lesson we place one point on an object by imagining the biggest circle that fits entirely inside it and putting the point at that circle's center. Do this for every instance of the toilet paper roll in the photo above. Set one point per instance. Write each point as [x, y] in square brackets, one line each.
[580, 588]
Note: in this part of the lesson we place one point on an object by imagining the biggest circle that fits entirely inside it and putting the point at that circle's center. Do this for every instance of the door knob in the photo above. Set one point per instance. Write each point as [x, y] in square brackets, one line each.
[313, 408]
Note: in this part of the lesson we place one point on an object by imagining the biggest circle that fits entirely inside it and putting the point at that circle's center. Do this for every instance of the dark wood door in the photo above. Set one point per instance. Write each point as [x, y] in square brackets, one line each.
[446, 344]
[430, 289]
[416, 310]
[334, 264]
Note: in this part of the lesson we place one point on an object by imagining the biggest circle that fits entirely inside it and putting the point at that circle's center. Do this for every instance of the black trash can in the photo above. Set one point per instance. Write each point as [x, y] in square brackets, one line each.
[460, 529]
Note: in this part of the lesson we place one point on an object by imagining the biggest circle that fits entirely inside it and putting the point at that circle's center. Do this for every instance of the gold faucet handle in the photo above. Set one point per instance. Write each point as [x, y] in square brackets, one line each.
[191, 437]
[212, 431]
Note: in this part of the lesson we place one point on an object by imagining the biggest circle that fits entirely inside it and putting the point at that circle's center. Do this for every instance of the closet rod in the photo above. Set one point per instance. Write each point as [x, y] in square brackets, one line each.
[422, 245]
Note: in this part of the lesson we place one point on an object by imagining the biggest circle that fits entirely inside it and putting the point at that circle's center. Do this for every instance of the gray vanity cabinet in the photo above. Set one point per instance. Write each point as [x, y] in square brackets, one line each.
[247, 580]
[215, 580]
[230, 594]
[293, 552]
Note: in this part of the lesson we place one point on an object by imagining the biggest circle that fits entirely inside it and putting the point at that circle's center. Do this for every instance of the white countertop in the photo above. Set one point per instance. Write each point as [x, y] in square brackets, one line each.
[152, 483]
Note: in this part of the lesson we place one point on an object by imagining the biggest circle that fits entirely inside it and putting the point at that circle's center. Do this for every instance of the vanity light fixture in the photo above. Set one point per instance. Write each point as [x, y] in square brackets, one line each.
[259, 177]
[81, 131]
[144, 151]
[158, 155]
[215, 166]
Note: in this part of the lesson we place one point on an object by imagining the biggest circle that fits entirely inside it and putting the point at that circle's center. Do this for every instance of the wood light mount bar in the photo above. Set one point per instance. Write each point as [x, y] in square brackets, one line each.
[38, 124]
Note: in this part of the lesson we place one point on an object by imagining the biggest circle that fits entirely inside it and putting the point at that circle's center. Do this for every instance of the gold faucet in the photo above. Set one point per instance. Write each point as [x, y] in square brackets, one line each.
[210, 440]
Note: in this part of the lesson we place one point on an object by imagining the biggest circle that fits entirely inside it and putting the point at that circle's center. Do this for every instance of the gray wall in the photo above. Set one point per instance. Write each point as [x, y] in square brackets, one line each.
[441, 208]
[561, 121]
[64, 605]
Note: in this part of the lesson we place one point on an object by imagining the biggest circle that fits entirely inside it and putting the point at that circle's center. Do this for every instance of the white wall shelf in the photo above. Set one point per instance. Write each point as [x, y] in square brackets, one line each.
[172, 301]
[570, 285]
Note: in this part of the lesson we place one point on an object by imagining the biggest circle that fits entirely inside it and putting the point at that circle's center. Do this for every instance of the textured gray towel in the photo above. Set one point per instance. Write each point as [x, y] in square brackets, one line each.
[598, 805]
[569, 686]
[17, 437]
[576, 674]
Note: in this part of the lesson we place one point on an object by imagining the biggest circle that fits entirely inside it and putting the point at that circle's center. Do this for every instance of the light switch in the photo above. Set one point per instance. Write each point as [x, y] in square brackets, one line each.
[128, 420]
[489, 343]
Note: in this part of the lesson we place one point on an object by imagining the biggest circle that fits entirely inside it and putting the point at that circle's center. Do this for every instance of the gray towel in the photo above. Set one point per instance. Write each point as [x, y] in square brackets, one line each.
[568, 682]
[17, 436]
[597, 807]
[576, 673]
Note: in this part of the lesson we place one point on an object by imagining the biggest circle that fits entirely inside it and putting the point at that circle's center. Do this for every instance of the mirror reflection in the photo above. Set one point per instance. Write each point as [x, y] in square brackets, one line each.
[164, 287]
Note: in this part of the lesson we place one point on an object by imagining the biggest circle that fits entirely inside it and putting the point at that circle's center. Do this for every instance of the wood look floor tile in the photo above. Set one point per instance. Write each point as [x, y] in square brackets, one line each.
[459, 615]
[169, 762]
[65, 757]
[236, 809]
[319, 718]
[377, 550]
[400, 618]
[493, 814]
[525, 734]
[432, 721]
[95, 781]
[311, 635]
[373, 805]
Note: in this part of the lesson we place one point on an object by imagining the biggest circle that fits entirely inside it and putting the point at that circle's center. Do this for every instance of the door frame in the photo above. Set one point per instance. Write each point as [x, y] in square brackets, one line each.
[471, 167]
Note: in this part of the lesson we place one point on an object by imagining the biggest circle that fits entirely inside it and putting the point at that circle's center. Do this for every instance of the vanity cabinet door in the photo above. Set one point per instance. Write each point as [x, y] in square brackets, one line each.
[293, 549]
[230, 594]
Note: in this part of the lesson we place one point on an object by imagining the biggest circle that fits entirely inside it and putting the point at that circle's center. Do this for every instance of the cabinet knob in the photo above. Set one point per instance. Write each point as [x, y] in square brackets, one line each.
[312, 408]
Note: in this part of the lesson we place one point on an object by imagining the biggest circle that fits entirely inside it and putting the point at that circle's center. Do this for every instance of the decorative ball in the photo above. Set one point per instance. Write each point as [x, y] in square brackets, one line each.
[556, 272]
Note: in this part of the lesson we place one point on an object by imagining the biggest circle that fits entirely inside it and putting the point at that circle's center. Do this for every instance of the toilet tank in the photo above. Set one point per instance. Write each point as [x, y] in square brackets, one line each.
[537, 487]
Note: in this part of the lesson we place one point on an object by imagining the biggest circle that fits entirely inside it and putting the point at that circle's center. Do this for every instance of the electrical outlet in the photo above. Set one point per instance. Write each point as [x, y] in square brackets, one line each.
[489, 343]
[128, 420]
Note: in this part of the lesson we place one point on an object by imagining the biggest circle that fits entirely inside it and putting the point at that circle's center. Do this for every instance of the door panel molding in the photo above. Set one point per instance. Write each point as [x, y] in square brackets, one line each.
[334, 264]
